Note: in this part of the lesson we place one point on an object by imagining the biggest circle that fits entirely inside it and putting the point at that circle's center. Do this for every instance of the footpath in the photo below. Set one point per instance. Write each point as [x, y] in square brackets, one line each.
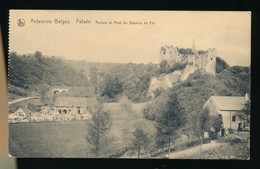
[184, 154]
[19, 100]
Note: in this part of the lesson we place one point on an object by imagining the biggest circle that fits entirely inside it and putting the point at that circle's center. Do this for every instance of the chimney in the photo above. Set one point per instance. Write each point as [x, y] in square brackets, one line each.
[246, 96]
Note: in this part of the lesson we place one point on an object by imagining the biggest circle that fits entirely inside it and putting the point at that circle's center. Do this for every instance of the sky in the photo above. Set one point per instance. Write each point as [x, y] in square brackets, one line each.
[229, 32]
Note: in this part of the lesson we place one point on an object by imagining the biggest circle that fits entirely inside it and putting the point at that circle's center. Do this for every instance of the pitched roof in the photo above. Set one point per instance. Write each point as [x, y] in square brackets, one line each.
[74, 101]
[229, 102]
[25, 110]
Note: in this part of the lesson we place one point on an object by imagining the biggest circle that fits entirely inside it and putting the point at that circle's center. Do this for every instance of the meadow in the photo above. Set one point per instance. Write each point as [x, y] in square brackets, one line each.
[68, 138]
[48, 139]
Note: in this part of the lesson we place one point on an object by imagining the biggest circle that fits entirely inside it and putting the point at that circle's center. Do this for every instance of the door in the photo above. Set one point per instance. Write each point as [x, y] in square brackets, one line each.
[239, 126]
[222, 132]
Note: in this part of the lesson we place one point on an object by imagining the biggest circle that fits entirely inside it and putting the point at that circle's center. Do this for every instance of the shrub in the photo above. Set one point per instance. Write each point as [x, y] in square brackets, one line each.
[33, 108]
[230, 130]
[177, 66]
[235, 141]
[206, 140]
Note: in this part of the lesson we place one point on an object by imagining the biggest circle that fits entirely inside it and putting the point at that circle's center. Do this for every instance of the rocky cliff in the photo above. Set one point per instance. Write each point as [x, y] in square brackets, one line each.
[165, 81]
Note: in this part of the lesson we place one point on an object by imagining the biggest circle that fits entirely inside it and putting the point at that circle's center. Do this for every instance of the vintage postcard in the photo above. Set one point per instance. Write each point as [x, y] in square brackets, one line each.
[129, 84]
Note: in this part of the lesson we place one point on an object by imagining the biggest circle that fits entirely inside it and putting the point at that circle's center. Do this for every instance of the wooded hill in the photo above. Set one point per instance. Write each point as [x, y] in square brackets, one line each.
[113, 80]
[26, 71]
[193, 93]
[30, 70]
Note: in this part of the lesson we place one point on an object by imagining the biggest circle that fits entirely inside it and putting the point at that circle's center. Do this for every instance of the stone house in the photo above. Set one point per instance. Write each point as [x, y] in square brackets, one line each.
[74, 108]
[230, 108]
[23, 114]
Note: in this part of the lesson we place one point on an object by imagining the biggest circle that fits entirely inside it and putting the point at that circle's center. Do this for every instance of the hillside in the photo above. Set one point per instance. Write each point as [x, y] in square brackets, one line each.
[173, 113]
[196, 90]
[134, 78]
[27, 71]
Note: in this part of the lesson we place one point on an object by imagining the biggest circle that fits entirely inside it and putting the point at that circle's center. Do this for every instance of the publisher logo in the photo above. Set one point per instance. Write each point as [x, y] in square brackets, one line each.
[21, 22]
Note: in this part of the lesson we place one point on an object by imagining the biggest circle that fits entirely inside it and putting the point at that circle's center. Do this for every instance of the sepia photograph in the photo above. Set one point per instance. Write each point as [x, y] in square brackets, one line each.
[129, 84]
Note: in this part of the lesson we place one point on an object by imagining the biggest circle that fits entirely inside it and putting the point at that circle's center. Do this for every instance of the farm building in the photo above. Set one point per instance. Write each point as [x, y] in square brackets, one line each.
[74, 107]
[230, 108]
[23, 114]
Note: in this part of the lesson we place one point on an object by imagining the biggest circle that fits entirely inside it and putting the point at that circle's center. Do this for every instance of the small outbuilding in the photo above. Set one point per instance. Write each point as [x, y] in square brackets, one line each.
[23, 114]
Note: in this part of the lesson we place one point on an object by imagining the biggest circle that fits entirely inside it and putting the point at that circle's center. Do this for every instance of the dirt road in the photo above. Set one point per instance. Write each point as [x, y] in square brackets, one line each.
[19, 100]
[194, 150]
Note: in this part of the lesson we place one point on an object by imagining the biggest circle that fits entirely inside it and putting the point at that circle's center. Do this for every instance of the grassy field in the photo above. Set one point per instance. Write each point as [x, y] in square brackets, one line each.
[125, 123]
[68, 138]
[48, 139]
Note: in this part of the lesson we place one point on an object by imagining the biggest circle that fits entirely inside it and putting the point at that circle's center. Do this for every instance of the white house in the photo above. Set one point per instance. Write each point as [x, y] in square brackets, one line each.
[230, 107]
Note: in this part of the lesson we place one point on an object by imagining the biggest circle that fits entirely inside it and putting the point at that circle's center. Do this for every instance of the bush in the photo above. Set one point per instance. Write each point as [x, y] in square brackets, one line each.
[230, 130]
[221, 65]
[213, 135]
[235, 141]
[193, 143]
[206, 140]
[120, 153]
[33, 108]
[177, 66]
[165, 67]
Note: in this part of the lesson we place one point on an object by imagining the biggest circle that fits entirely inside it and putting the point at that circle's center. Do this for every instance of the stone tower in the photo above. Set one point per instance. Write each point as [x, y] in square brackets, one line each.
[193, 47]
[211, 63]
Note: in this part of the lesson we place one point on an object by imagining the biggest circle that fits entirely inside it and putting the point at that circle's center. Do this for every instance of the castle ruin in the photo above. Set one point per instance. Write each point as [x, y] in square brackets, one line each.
[205, 61]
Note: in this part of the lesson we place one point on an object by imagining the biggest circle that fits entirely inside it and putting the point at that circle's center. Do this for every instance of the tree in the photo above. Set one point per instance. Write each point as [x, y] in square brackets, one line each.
[98, 127]
[221, 65]
[204, 124]
[245, 113]
[148, 112]
[187, 51]
[199, 122]
[204, 121]
[140, 140]
[111, 87]
[246, 109]
[38, 54]
[217, 122]
[201, 52]
[47, 98]
[33, 108]
[168, 120]
[162, 67]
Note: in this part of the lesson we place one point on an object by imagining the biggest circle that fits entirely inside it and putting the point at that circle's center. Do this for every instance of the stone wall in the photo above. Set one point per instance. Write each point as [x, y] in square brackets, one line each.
[204, 61]
[211, 63]
[170, 54]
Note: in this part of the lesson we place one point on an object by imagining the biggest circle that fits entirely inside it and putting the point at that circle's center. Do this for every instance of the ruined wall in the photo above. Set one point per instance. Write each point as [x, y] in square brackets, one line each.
[197, 61]
[170, 54]
[211, 63]
[205, 61]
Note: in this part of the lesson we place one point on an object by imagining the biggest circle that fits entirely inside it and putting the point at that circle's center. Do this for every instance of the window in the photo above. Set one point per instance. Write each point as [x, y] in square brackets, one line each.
[64, 111]
[60, 111]
[233, 118]
[78, 110]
